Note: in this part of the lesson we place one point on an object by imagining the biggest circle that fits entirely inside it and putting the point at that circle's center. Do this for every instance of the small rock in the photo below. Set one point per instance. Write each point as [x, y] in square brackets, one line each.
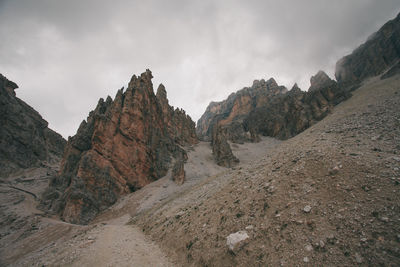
[249, 227]
[307, 209]
[91, 237]
[309, 248]
[233, 239]
[384, 219]
[321, 244]
[358, 258]
[334, 170]
[306, 259]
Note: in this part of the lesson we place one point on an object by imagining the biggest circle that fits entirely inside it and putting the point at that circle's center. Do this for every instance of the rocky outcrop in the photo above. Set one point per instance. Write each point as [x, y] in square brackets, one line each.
[231, 112]
[178, 172]
[221, 149]
[319, 81]
[124, 144]
[266, 109]
[287, 115]
[379, 52]
[25, 139]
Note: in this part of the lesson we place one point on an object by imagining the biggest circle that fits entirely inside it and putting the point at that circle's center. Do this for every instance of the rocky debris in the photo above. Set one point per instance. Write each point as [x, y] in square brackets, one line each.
[235, 238]
[231, 112]
[372, 58]
[124, 144]
[25, 139]
[344, 217]
[221, 149]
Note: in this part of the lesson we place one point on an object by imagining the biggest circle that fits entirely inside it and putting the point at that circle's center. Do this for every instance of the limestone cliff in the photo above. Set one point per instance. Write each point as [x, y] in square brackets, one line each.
[124, 144]
[378, 53]
[25, 139]
[231, 112]
[287, 115]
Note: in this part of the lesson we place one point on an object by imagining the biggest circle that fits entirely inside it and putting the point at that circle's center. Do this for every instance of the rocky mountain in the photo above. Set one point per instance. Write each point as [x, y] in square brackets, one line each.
[231, 112]
[124, 144]
[267, 109]
[25, 139]
[287, 115]
[377, 54]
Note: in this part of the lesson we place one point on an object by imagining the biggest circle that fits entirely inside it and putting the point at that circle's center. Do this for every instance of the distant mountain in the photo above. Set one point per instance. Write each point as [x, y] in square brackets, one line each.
[124, 144]
[25, 139]
[269, 110]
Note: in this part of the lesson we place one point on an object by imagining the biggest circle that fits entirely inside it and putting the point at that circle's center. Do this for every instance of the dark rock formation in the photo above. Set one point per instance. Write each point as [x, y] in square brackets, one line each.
[379, 52]
[231, 112]
[25, 139]
[320, 80]
[178, 171]
[289, 114]
[123, 145]
[221, 149]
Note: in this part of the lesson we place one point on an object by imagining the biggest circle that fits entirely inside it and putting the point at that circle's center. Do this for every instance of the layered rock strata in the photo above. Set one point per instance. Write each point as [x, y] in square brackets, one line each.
[25, 139]
[124, 144]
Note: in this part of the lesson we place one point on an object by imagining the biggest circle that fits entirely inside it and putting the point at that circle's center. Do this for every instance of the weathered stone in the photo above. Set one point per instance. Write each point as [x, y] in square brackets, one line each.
[221, 149]
[25, 139]
[234, 239]
[320, 80]
[378, 53]
[287, 115]
[178, 170]
[124, 144]
[231, 112]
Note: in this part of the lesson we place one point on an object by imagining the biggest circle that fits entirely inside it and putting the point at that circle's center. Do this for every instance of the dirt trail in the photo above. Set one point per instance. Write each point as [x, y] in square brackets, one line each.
[118, 244]
[108, 240]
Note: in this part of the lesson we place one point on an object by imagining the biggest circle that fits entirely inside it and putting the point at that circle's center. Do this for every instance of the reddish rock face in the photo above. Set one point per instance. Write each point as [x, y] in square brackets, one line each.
[125, 144]
[231, 112]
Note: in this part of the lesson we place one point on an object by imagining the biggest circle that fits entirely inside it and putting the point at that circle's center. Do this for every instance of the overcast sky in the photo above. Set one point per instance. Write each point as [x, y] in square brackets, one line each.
[65, 55]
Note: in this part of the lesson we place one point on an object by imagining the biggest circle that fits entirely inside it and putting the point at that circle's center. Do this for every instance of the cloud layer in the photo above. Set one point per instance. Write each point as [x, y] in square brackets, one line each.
[65, 55]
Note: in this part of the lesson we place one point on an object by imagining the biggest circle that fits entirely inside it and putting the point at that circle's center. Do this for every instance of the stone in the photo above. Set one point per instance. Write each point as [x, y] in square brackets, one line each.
[221, 149]
[25, 139]
[178, 171]
[125, 143]
[235, 238]
[307, 209]
[358, 258]
[306, 259]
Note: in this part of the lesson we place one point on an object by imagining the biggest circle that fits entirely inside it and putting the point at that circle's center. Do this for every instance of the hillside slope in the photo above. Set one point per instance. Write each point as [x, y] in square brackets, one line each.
[328, 196]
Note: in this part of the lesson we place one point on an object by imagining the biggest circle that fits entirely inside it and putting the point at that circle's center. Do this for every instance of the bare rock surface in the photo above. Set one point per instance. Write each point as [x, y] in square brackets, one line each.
[25, 139]
[124, 144]
[377, 54]
[231, 112]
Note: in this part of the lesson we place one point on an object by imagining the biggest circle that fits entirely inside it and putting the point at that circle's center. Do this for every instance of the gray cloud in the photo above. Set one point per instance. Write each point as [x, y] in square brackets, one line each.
[65, 55]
